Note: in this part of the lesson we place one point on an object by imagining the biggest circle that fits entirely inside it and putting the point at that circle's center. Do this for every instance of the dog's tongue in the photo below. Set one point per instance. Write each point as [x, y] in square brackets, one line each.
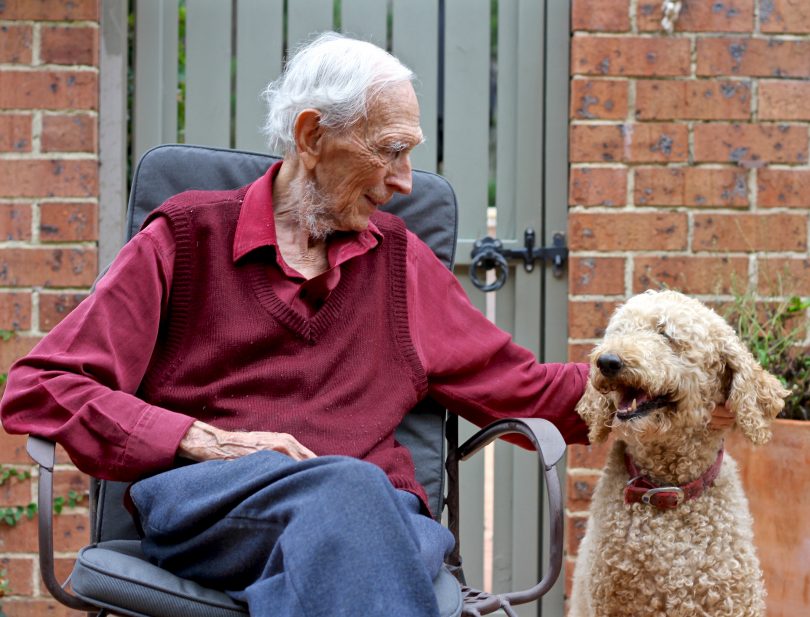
[629, 396]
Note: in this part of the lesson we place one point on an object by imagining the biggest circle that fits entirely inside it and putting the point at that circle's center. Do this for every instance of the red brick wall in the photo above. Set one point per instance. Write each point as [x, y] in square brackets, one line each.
[48, 236]
[689, 163]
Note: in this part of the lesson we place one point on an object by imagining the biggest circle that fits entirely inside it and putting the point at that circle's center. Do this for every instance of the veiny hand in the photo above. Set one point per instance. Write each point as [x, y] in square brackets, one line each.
[722, 418]
[204, 442]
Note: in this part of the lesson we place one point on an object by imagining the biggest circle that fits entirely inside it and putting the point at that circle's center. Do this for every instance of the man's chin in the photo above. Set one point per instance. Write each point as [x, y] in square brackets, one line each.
[356, 224]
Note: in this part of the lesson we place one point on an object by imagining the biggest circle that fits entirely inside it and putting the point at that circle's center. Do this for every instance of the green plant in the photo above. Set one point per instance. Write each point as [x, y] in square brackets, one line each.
[71, 501]
[11, 515]
[775, 333]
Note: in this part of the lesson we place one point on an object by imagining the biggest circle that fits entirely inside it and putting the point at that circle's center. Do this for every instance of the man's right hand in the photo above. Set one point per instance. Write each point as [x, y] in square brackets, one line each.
[204, 442]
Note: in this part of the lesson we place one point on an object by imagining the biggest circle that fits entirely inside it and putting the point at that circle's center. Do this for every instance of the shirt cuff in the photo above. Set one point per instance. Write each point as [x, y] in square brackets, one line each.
[152, 445]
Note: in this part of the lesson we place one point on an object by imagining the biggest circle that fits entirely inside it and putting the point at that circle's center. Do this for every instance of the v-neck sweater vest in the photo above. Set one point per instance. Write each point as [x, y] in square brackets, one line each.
[232, 354]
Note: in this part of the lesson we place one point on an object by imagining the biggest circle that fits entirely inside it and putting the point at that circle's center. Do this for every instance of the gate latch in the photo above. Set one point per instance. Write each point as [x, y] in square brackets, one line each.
[489, 254]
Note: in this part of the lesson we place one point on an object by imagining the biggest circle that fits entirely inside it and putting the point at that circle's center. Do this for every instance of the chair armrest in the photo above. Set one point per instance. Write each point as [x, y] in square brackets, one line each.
[44, 454]
[550, 447]
[543, 435]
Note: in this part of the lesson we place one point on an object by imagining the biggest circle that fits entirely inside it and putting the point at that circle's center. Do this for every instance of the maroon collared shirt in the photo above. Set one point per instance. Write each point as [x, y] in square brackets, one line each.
[78, 385]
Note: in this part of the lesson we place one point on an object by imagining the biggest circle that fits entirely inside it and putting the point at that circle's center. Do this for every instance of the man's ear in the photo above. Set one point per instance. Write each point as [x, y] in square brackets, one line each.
[308, 134]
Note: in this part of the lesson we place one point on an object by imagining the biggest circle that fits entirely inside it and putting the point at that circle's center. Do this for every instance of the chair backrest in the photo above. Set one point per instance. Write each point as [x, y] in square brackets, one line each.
[430, 211]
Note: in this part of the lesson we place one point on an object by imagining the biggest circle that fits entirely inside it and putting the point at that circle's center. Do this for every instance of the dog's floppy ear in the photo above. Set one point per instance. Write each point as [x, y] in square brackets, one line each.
[755, 396]
[594, 408]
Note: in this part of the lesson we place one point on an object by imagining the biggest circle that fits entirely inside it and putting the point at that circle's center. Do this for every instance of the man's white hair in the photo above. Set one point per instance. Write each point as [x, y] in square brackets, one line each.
[333, 74]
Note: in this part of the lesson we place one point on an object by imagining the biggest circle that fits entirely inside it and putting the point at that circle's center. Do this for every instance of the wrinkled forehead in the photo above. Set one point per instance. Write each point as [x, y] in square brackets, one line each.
[395, 109]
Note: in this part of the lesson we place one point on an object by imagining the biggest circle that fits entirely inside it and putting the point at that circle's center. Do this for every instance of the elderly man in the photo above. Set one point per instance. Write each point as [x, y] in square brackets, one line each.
[277, 334]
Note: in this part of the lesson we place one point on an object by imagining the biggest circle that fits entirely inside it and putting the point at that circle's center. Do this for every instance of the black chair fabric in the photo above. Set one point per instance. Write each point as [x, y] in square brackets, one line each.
[113, 572]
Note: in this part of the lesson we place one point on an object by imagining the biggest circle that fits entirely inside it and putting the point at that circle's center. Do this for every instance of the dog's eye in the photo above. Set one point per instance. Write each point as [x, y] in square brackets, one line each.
[667, 337]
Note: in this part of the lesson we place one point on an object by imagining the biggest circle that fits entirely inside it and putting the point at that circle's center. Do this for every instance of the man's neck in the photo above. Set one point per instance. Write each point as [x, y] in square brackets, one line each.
[298, 249]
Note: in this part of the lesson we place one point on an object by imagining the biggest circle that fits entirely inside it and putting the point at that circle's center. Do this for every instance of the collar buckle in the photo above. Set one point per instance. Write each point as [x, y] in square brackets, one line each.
[647, 497]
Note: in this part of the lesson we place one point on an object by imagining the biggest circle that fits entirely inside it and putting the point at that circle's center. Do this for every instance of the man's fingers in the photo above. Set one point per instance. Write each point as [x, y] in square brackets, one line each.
[296, 450]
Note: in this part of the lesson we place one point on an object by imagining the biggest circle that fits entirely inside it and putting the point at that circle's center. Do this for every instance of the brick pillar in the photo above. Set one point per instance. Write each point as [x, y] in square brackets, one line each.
[48, 235]
[689, 164]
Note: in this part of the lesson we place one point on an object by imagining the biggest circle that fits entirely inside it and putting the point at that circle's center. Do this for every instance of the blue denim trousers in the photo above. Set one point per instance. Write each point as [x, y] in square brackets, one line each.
[326, 536]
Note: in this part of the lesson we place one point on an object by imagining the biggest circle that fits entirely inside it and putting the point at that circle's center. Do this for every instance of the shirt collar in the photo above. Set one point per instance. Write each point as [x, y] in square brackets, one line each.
[256, 226]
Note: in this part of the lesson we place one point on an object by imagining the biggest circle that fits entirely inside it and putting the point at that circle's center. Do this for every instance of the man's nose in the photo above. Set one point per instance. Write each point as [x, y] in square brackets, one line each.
[400, 175]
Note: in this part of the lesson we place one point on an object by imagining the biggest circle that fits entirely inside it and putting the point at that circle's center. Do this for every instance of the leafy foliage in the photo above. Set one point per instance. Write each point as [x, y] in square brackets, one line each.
[11, 515]
[775, 333]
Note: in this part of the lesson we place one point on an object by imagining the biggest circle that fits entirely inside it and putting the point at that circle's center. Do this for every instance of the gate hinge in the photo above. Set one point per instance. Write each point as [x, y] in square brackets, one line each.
[489, 253]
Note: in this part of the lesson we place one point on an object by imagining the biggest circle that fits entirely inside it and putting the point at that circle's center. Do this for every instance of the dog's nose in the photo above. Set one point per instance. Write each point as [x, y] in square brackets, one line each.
[609, 364]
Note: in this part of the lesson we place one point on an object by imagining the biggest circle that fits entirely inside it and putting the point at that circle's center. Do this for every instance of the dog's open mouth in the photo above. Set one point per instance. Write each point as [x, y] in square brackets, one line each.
[636, 403]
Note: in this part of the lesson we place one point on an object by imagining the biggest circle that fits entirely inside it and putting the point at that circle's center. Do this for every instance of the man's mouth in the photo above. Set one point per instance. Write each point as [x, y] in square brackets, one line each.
[377, 201]
[636, 403]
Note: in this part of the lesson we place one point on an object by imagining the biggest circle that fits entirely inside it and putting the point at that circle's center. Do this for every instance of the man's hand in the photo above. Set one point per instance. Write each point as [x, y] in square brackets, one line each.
[204, 442]
[722, 418]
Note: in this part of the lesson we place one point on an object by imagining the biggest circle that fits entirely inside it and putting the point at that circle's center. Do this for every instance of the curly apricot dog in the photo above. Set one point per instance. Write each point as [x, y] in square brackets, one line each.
[669, 532]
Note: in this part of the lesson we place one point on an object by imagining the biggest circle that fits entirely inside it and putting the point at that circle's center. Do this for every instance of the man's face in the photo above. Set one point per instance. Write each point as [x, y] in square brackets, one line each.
[360, 169]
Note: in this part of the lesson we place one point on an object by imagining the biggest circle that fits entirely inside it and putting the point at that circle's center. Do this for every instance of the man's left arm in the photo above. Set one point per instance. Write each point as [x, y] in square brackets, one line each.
[473, 367]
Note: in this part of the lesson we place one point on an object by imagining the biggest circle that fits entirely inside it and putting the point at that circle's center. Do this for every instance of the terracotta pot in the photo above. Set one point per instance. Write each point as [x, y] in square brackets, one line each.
[776, 478]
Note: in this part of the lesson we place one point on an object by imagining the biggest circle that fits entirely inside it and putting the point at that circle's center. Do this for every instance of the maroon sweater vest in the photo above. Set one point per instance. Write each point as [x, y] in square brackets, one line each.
[232, 354]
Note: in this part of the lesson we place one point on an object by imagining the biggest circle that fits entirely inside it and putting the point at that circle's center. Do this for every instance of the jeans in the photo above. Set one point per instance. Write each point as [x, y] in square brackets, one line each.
[326, 536]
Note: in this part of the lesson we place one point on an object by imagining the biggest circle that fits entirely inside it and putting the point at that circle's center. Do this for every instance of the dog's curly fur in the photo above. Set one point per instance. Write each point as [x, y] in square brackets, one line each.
[699, 558]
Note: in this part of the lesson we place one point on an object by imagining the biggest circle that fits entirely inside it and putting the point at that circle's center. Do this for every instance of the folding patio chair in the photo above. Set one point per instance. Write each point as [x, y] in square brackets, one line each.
[111, 575]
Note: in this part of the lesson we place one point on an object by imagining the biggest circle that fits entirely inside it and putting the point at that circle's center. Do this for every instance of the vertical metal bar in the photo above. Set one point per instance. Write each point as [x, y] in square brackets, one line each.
[416, 42]
[112, 134]
[208, 72]
[155, 112]
[259, 49]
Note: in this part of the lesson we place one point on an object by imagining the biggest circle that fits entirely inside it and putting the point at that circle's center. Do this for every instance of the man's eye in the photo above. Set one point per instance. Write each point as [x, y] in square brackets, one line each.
[394, 151]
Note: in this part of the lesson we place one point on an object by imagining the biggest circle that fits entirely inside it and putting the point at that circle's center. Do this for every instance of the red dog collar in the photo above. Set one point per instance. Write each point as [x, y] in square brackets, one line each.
[641, 489]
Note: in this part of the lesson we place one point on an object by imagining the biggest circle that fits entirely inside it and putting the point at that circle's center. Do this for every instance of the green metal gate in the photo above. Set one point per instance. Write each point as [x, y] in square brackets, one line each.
[493, 87]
